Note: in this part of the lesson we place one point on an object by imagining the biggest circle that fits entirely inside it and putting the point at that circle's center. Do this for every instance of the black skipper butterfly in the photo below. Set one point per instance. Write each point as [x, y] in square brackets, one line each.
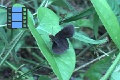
[60, 43]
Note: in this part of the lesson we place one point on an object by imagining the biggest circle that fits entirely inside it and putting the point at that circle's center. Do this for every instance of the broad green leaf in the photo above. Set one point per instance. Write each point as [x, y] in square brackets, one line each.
[108, 19]
[63, 64]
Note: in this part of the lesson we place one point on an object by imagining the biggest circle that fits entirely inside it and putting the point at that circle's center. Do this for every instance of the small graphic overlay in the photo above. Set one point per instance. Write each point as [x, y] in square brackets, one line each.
[17, 17]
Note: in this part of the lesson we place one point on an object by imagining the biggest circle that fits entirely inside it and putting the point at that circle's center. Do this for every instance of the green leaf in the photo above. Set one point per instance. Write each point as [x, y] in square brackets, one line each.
[96, 25]
[108, 19]
[111, 24]
[116, 73]
[3, 20]
[3, 16]
[96, 71]
[84, 23]
[86, 39]
[63, 64]
[118, 1]
[18, 5]
[114, 6]
[44, 78]
[79, 16]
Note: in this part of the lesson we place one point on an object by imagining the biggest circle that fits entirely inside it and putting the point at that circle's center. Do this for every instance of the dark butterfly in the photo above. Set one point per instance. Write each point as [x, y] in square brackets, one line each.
[60, 43]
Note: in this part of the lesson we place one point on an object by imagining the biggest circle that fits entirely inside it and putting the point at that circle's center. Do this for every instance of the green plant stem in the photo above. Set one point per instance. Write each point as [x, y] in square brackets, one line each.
[16, 39]
[43, 3]
[112, 67]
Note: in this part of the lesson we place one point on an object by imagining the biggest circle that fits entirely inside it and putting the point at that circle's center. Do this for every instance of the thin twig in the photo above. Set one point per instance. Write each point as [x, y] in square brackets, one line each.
[98, 58]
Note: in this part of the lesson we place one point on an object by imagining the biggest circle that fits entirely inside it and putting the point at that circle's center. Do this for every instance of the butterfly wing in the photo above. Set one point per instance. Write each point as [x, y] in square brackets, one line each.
[60, 43]
[66, 32]
[60, 46]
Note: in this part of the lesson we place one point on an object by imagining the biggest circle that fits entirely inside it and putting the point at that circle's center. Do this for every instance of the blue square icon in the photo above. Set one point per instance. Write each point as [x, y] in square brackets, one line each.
[16, 9]
[16, 16]
[16, 24]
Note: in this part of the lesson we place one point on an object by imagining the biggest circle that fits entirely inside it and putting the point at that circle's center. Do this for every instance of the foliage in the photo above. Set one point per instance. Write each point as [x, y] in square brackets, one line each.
[26, 53]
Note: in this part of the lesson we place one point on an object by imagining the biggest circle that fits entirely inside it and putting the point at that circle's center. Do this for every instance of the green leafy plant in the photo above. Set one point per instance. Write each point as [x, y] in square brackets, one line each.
[49, 17]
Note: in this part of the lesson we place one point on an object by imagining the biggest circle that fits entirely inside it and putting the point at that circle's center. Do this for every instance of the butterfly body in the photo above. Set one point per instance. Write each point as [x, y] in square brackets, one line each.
[60, 43]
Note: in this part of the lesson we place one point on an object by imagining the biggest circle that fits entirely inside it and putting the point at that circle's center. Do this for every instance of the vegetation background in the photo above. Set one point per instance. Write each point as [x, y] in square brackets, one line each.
[93, 54]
